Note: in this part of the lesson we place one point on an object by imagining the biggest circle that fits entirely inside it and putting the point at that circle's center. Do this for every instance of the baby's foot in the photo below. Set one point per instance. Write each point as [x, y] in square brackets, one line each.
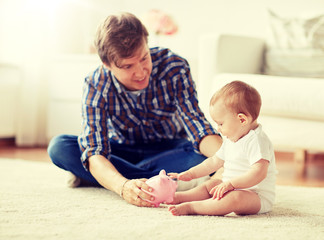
[181, 209]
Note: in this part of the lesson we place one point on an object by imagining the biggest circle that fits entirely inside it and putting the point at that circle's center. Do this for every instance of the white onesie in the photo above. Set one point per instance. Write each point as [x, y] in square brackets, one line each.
[241, 155]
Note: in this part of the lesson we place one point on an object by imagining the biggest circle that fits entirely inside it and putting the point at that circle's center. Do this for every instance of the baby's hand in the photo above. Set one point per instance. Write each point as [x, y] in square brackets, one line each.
[184, 176]
[173, 175]
[219, 190]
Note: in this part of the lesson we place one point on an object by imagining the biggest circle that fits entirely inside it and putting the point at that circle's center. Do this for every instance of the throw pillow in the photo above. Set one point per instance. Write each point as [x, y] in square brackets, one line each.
[296, 46]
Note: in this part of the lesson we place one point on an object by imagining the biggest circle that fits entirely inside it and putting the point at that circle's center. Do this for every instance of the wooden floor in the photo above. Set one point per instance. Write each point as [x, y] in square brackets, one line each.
[314, 176]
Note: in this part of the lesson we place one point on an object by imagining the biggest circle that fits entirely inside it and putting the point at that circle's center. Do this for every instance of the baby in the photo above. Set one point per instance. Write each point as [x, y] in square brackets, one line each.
[247, 155]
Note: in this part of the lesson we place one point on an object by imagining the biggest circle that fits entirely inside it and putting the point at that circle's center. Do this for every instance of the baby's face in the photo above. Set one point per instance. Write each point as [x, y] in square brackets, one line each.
[228, 123]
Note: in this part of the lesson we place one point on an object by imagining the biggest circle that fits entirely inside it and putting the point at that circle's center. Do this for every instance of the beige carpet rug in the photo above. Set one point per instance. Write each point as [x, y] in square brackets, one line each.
[36, 204]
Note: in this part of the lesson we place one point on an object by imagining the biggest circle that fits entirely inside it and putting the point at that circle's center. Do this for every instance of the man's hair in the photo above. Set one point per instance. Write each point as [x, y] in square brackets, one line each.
[239, 97]
[118, 37]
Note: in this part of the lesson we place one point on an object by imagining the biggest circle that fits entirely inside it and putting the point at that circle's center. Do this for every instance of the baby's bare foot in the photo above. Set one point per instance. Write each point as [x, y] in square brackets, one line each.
[174, 211]
[181, 209]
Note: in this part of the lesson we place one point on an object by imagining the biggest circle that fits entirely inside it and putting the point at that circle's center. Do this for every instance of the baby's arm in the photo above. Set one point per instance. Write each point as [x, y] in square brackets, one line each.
[205, 168]
[255, 175]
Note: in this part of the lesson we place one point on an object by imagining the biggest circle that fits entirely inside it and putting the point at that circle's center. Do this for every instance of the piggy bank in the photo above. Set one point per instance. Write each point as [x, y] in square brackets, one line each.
[163, 188]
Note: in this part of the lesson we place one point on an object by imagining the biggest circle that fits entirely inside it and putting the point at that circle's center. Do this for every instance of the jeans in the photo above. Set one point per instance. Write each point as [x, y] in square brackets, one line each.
[132, 161]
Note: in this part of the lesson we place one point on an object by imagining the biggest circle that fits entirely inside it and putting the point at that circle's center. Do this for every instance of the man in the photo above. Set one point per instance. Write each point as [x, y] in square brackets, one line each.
[140, 115]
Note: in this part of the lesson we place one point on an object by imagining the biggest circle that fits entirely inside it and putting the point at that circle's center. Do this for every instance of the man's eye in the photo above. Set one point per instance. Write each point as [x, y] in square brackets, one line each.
[127, 67]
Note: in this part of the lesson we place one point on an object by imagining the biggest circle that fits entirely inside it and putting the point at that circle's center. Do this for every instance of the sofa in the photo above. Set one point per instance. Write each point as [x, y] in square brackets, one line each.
[292, 112]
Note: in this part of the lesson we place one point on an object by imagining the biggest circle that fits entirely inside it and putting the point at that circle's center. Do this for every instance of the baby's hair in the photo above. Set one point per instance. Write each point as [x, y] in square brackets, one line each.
[239, 97]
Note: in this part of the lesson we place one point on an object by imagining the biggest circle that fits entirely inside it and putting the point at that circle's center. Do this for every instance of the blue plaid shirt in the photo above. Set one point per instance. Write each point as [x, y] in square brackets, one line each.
[166, 109]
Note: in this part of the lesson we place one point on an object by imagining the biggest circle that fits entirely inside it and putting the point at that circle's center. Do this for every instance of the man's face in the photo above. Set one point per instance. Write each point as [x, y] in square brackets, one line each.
[134, 72]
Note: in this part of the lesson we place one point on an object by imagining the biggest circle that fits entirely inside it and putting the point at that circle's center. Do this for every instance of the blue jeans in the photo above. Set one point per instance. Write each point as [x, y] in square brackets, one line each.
[132, 161]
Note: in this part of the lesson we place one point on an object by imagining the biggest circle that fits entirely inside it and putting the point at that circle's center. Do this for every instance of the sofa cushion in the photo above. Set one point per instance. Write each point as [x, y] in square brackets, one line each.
[282, 96]
[239, 54]
[295, 62]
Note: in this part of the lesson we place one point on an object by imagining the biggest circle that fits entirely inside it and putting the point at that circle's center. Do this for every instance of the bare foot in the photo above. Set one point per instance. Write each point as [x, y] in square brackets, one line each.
[181, 209]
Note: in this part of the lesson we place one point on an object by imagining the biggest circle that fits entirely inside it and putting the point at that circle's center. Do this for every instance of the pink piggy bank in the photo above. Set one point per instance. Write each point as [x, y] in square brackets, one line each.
[163, 188]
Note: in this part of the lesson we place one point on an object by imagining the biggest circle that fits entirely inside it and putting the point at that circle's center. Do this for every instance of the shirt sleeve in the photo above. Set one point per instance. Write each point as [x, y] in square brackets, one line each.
[93, 139]
[194, 121]
[257, 150]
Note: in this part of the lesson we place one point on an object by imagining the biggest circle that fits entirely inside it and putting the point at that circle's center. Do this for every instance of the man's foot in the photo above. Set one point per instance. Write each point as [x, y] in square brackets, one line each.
[73, 181]
[182, 209]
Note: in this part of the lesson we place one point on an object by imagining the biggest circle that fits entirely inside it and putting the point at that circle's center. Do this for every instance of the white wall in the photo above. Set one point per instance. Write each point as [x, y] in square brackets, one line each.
[69, 25]
[248, 17]
[32, 31]
[9, 82]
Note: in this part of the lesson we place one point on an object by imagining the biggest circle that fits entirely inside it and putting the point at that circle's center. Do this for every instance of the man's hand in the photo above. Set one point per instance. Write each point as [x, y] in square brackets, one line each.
[133, 193]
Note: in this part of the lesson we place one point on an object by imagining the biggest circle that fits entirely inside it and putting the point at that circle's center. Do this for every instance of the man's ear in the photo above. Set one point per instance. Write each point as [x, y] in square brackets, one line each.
[243, 119]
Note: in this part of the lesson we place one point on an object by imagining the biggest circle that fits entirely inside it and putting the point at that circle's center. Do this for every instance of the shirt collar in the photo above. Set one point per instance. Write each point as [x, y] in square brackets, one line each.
[114, 80]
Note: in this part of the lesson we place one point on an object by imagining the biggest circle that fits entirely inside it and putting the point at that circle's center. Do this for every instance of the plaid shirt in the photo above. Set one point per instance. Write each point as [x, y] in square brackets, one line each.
[166, 109]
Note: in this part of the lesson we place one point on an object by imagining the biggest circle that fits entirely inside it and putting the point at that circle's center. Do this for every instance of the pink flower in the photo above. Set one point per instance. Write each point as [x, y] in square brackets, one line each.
[160, 23]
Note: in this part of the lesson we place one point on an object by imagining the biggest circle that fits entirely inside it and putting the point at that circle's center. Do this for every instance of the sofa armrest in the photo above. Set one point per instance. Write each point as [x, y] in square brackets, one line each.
[226, 53]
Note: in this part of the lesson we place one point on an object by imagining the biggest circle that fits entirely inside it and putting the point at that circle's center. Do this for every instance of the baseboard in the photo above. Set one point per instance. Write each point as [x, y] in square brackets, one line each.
[5, 142]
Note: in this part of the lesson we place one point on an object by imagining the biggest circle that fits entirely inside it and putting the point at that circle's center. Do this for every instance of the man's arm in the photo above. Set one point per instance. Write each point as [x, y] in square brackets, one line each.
[94, 145]
[210, 144]
[109, 177]
[106, 173]
[199, 130]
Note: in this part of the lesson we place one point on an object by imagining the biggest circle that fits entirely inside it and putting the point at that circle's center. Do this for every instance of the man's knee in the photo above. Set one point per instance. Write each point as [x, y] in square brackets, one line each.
[54, 147]
[59, 148]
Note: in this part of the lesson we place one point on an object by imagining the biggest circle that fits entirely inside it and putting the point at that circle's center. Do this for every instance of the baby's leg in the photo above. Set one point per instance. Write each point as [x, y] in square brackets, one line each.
[239, 201]
[198, 193]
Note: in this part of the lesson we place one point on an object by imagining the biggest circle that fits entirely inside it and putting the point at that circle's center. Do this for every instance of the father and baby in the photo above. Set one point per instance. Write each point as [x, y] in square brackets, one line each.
[140, 114]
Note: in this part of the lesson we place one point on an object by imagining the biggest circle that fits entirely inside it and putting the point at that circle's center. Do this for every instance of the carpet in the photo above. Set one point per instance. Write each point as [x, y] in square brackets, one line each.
[36, 204]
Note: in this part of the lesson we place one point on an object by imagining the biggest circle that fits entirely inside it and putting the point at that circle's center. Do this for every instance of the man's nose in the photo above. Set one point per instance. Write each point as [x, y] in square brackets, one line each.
[139, 71]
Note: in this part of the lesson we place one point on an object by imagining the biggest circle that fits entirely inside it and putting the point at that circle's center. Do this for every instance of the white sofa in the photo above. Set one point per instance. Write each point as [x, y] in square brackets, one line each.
[292, 112]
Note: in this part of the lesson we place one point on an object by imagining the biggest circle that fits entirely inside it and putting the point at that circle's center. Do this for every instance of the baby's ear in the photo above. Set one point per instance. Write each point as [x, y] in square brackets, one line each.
[243, 118]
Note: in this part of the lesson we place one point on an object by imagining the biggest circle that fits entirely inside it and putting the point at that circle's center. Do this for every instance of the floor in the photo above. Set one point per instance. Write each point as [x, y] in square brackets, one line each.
[313, 177]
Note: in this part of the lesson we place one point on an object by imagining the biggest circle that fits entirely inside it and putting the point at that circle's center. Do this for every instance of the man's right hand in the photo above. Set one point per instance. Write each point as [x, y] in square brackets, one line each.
[133, 193]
